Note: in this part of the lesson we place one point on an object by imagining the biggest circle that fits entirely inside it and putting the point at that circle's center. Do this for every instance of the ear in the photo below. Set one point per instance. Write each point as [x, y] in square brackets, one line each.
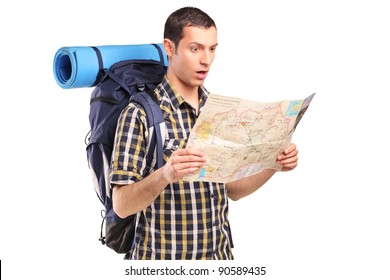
[169, 47]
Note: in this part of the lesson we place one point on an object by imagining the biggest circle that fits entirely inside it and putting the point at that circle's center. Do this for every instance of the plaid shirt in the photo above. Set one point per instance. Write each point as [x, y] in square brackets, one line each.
[188, 220]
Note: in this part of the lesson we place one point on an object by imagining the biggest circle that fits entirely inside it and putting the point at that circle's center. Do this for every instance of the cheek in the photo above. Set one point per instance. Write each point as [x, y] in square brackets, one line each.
[185, 67]
[181, 63]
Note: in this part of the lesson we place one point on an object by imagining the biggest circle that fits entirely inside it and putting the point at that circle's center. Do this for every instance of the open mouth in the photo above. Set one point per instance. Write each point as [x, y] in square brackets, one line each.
[201, 74]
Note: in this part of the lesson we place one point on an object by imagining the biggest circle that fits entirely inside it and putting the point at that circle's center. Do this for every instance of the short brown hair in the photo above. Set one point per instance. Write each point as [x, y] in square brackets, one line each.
[183, 17]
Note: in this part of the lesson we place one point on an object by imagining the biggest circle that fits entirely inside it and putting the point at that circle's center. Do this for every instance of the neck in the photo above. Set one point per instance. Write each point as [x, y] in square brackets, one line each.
[192, 100]
[189, 93]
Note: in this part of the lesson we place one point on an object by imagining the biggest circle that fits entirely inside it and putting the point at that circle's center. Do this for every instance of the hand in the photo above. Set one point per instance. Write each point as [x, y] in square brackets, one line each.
[289, 158]
[183, 162]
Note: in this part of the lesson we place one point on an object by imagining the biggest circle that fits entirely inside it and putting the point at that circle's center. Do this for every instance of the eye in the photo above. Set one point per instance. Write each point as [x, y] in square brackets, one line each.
[194, 49]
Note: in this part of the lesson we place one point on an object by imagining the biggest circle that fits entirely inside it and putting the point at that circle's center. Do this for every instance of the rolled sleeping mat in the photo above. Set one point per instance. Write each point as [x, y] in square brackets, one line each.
[77, 67]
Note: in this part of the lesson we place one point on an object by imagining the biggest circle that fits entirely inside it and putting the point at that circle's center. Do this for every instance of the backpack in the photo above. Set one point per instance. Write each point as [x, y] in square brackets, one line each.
[125, 81]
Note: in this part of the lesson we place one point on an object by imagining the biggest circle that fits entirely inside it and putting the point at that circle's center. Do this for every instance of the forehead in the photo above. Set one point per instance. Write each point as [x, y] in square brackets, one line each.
[202, 36]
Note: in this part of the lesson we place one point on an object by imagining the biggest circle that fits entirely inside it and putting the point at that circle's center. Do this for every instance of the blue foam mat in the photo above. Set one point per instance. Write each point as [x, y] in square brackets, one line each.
[77, 67]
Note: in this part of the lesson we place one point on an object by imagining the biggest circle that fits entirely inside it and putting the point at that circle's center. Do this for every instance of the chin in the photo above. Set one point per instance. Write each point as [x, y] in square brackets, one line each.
[198, 82]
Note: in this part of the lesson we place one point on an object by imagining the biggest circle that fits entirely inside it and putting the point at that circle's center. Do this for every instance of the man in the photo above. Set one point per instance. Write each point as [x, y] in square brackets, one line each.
[178, 219]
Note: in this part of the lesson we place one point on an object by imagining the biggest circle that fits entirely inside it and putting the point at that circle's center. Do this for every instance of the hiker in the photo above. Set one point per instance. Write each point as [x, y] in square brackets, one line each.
[176, 219]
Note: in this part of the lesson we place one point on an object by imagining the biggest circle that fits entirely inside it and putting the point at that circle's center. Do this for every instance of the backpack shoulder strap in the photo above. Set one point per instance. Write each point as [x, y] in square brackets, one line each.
[155, 120]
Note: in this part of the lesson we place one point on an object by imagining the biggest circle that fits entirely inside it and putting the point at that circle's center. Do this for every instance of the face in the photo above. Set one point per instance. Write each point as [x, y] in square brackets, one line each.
[191, 60]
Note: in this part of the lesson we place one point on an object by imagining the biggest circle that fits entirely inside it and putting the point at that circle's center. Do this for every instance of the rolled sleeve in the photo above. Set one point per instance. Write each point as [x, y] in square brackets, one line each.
[128, 161]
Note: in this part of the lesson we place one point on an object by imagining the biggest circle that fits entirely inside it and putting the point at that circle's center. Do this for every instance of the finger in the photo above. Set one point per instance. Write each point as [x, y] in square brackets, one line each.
[177, 171]
[290, 154]
[289, 167]
[288, 160]
[188, 155]
[188, 165]
[176, 159]
[189, 152]
[290, 148]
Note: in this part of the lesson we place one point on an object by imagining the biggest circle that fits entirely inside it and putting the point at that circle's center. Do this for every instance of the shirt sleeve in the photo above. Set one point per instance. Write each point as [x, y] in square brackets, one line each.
[128, 161]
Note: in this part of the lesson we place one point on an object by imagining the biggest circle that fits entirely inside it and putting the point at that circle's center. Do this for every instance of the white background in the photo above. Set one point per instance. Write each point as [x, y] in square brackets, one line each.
[328, 219]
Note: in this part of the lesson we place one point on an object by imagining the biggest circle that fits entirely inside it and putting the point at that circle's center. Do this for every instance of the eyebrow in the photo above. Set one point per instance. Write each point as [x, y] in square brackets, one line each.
[199, 44]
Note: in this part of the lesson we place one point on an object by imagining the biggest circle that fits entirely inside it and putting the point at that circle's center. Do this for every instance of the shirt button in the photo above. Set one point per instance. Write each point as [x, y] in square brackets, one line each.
[212, 196]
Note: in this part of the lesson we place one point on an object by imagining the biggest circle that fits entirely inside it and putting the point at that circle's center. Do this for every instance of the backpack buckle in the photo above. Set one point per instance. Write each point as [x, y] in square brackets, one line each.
[141, 86]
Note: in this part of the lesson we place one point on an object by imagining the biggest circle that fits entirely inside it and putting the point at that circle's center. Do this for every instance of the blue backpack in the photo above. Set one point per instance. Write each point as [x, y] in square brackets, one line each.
[125, 81]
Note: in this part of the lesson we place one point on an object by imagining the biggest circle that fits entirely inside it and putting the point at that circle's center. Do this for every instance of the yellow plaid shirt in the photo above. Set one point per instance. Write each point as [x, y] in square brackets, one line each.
[188, 220]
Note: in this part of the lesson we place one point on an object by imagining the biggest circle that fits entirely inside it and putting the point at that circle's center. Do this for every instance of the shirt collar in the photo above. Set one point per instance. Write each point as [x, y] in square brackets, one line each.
[176, 99]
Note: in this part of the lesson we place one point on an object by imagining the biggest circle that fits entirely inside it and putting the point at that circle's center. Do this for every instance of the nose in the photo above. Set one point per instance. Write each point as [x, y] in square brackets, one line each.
[207, 57]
